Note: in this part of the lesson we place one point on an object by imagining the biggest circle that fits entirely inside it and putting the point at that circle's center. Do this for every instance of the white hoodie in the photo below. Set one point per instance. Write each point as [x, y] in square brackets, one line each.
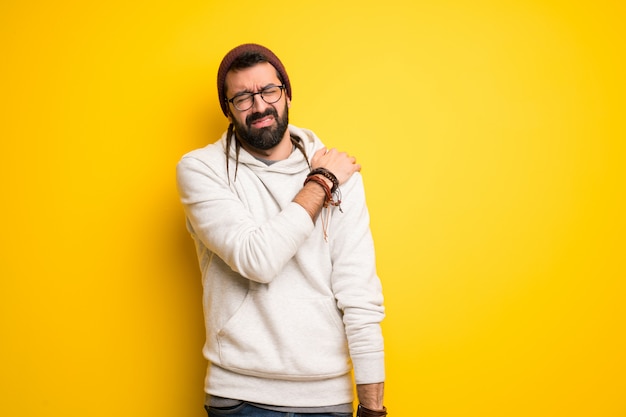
[287, 313]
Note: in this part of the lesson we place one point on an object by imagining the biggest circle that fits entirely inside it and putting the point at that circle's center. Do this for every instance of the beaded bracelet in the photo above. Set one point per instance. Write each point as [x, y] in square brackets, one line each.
[326, 173]
[366, 412]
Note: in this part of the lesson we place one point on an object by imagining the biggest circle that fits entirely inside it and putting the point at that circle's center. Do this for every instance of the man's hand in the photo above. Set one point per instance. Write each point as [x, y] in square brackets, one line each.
[340, 164]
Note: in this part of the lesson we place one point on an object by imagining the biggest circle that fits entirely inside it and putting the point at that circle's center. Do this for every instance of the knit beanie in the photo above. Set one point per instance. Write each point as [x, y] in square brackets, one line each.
[235, 53]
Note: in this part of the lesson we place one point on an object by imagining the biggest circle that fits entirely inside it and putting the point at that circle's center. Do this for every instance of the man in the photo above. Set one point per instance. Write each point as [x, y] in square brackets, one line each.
[292, 300]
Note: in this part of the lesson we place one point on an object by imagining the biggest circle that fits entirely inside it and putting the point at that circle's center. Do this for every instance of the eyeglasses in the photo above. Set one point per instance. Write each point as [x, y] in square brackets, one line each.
[245, 101]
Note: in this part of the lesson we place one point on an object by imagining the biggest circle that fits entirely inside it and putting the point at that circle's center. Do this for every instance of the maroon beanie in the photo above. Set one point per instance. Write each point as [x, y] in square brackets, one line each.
[235, 53]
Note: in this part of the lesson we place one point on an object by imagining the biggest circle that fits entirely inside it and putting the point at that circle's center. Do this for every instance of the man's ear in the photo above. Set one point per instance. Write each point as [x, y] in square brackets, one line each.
[288, 103]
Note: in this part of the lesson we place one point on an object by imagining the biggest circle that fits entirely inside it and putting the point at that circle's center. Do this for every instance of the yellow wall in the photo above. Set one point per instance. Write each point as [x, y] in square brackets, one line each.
[492, 139]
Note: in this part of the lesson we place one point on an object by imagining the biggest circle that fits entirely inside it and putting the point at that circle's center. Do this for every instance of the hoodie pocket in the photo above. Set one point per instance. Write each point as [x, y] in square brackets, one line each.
[297, 339]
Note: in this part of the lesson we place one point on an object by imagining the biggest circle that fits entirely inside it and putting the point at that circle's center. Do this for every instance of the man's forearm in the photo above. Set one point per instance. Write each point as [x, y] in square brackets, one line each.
[311, 198]
[371, 395]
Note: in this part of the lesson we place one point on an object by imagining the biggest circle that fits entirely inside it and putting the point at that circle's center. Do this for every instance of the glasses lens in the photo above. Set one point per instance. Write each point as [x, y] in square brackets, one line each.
[272, 94]
[243, 102]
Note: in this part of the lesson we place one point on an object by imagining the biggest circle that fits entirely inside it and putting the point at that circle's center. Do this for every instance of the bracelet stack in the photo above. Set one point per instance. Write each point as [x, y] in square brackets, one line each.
[366, 412]
[333, 195]
[326, 173]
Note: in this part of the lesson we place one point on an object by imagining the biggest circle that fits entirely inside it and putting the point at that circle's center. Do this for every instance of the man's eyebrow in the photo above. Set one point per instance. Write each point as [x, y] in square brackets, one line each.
[248, 91]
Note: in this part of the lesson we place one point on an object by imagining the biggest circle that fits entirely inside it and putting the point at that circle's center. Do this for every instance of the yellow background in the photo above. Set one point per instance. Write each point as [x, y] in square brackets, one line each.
[492, 141]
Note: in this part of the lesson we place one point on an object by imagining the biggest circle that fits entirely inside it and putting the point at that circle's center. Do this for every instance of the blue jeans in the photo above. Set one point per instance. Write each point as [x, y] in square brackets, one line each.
[247, 410]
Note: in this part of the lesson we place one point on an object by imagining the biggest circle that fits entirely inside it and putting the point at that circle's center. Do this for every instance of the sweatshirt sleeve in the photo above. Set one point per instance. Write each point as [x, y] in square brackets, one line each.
[222, 223]
[356, 284]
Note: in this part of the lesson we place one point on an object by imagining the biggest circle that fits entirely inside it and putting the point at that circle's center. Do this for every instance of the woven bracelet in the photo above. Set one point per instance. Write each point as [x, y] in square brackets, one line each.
[326, 173]
[322, 183]
[329, 193]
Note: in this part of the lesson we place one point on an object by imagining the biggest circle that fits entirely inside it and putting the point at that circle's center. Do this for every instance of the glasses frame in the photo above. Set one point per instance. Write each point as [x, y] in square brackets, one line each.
[280, 87]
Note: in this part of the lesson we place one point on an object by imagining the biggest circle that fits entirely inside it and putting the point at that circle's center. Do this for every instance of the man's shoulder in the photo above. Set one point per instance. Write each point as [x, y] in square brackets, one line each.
[208, 154]
[208, 161]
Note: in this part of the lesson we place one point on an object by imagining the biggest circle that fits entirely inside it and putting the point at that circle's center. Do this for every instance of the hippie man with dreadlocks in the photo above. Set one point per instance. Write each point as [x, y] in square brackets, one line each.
[291, 297]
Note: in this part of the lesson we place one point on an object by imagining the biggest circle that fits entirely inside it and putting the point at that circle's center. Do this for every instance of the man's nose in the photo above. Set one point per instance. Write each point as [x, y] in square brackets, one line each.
[258, 103]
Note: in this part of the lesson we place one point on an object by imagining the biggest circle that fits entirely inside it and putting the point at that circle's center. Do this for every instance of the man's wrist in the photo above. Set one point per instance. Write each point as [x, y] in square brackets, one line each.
[371, 399]
[331, 179]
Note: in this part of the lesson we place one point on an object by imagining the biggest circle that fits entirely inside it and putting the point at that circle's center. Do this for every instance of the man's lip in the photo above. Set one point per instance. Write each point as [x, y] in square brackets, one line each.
[263, 121]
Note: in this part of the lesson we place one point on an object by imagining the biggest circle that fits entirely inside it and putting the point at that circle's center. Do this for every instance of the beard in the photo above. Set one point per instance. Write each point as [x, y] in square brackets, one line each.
[266, 137]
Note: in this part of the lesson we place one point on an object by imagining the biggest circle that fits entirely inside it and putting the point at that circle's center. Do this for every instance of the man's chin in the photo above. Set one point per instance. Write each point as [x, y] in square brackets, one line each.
[261, 130]
[261, 140]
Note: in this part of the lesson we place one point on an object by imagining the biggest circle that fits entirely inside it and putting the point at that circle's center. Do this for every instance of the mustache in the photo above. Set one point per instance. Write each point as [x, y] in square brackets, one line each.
[251, 118]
